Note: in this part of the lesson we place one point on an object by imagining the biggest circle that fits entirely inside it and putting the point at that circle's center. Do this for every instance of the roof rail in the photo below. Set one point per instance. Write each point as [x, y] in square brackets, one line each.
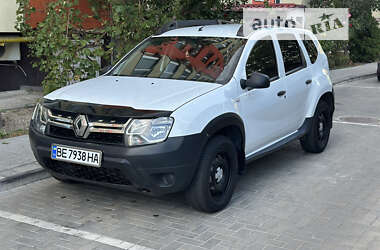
[188, 23]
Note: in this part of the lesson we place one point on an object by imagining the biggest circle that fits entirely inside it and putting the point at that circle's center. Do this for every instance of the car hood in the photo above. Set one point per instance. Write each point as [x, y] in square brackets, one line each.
[134, 92]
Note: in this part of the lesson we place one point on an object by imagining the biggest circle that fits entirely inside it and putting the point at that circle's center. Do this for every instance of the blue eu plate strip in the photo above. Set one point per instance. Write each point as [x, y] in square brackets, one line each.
[54, 152]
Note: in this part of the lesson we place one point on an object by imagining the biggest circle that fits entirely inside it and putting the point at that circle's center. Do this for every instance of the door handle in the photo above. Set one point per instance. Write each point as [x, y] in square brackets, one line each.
[308, 82]
[281, 93]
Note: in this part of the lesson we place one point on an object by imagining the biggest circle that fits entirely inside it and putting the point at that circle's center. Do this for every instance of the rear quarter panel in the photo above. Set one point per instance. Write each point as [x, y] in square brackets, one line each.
[321, 78]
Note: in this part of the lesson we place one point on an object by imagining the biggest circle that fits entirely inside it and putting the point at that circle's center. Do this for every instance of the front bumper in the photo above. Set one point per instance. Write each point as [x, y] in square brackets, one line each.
[157, 169]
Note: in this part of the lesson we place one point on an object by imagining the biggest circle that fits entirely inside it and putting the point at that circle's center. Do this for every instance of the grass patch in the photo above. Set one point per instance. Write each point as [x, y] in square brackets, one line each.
[5, 135]
[347, 66]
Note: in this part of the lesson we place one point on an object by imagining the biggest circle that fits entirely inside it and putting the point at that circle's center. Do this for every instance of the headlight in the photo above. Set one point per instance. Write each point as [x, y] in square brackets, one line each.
[39, 118]
[148, 131]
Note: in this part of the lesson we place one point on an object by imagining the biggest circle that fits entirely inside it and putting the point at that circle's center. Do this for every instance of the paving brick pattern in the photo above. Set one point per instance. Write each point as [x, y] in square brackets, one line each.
[286, 200]
[19, 236]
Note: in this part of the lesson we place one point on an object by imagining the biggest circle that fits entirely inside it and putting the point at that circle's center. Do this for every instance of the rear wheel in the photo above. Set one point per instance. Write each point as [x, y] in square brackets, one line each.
[315, 141]
[216, 178]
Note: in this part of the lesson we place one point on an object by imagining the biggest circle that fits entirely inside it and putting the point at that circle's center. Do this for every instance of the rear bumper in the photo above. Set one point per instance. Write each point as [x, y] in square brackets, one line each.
[158, 169]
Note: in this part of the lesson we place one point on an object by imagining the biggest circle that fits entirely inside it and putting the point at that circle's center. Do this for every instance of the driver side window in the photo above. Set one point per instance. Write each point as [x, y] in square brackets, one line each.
[262, 59]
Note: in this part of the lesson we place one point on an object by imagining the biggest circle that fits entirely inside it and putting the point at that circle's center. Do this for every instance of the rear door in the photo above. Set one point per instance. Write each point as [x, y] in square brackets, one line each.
[298, 78]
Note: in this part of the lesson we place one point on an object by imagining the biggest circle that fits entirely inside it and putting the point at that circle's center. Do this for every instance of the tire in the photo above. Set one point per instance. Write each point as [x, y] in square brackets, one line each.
[215, 181]
[315, 141]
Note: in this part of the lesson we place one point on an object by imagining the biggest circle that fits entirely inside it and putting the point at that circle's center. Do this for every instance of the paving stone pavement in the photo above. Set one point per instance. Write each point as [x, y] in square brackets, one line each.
[286, 200]
[30, 237]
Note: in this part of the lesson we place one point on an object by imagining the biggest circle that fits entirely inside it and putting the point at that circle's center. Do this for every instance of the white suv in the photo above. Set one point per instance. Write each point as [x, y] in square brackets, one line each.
[186, 110]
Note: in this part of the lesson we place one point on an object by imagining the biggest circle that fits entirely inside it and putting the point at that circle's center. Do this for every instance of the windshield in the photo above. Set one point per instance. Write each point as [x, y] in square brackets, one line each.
[205, 59]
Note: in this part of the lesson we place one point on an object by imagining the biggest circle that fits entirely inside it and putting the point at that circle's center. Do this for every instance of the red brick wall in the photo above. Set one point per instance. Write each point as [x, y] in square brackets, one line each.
[255, 2]
[40, 13]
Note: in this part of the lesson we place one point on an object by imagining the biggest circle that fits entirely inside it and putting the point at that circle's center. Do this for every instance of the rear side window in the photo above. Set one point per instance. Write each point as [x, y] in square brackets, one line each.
[291, 53]
[262, 59]
[311, 49]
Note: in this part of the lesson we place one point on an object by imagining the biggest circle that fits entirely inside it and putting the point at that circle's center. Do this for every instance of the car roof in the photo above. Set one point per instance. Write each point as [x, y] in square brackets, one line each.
[225, 30]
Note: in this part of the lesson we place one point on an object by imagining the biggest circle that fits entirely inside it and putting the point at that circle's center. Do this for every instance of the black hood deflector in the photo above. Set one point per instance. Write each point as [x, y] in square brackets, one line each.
[103, 110]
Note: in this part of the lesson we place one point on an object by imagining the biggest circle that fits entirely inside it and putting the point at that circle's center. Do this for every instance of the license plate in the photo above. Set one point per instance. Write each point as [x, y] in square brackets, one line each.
[81, 156]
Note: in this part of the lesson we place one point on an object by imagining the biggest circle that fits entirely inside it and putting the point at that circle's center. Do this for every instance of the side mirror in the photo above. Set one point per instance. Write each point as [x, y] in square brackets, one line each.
[104, 70]
[256, 81]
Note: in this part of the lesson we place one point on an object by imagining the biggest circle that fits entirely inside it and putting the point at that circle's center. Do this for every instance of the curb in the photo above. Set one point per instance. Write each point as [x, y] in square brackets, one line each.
[355, 78]
[23, 178]
[20, 176]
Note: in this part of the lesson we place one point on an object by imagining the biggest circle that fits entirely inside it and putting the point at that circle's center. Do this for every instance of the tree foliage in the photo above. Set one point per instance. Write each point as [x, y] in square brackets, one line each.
[66, 52]
[364, 42]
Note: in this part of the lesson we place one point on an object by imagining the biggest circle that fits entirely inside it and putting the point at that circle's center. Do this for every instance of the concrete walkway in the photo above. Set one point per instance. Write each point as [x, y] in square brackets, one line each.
[351, 73]
[16, 157]
[17, 163]
[11, 100]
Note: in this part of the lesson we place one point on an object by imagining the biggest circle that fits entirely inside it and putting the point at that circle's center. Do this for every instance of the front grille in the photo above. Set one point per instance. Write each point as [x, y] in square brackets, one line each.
[93, 137]
[100, 129]
[61, 132]
[106, 138]
[102, 174]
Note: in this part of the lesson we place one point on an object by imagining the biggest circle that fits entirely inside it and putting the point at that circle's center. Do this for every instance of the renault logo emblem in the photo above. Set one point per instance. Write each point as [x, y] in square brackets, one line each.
[80, 125]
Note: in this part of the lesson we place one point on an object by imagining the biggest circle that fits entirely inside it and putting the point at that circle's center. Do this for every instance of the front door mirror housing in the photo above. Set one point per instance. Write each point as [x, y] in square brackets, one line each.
[256, 81]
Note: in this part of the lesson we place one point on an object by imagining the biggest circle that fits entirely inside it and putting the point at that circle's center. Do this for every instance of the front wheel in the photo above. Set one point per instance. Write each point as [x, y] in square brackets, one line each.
[214, 183]
[315, 141]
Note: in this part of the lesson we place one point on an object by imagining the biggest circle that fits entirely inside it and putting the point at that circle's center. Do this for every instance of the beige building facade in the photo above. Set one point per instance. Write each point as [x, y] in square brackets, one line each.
[8, 10]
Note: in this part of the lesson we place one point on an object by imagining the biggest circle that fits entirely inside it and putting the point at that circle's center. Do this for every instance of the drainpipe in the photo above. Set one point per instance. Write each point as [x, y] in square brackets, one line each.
[4, 40]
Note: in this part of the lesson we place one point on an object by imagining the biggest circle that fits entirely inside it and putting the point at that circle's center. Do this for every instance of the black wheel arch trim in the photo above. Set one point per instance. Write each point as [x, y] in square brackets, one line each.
[224, 120]
[218, 124]
[329, 98]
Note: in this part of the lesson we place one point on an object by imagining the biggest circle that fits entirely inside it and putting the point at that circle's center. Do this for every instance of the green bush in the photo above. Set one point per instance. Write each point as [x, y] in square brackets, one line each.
[364, 43]
[64, 50]
[342, 59]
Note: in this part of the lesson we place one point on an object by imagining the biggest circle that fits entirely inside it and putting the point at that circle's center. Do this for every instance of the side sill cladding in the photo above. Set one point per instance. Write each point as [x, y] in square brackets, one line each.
[303, 130]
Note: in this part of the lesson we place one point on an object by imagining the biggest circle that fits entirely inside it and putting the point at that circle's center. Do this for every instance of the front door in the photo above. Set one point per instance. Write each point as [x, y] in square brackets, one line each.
[264, 110]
